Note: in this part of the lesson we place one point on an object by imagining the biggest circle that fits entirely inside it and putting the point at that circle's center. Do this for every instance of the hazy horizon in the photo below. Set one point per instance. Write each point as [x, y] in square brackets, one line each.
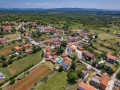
[96, 4]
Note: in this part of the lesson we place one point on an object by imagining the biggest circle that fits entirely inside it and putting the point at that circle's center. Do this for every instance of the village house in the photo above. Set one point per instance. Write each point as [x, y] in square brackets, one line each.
[83, 86]
[72, 39]
[110, 58]
[79, 48]
[104, 81]
[47, 54]
[18, 48]
[95, 81]
[66, 62]
[54, 57]
[28, 38]
[69, 44]
[49, 49]
[71, 49]
[27, 46]
[7, 28]
[54, 36]
[85, 72]
[88, 55]
[64, 54]
[4, 40]
[77, 43]
[41, 29]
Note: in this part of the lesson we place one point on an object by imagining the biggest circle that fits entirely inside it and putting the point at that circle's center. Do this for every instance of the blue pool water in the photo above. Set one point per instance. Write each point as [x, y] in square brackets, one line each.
[41, 45]
[109, 66]
[59, 60]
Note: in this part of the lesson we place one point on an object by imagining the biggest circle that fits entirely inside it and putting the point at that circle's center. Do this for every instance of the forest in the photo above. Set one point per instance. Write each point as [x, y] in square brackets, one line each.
[64, 19]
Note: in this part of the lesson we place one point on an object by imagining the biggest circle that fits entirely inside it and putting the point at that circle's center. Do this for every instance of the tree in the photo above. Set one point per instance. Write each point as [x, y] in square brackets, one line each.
[3, 58]
[118, 75]
[12, 81]
[52, 32]
[4, 64]
[94, 63]
[64, 44]
[79, 72]
[61, 68]
[72, 77]
[73, 66]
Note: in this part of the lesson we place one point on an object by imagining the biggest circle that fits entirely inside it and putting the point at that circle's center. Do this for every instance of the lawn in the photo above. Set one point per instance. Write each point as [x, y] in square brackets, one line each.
[20, 64]
[57, 82]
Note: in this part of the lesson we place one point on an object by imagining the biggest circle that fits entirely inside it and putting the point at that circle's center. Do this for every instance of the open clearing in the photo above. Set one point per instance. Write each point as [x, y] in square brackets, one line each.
[30, 79]
[21, 64]
[57, 82]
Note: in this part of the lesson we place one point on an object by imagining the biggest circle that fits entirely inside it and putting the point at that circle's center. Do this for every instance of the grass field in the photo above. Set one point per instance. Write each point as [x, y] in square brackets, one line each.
[57, 82]
[20, 64]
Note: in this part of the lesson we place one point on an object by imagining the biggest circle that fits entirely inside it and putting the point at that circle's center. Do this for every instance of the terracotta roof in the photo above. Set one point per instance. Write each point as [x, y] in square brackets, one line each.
[53, 53]
[104, 80]
[88, 53]
[64, 54]
[55, 56]
[17, 47]
[79, 47]
[116, 87]
[48, 49]
[27, 45]
[47, 53]
[111, 56]
[57, 45]
[69, 44]
[7, 28]
[72, 47]
[45, 46]
[108, 53]
[66, 61]
[85, 86]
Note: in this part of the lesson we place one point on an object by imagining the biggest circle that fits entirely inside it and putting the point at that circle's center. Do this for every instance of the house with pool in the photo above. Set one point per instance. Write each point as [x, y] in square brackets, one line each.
[110, 58]
[66, 62]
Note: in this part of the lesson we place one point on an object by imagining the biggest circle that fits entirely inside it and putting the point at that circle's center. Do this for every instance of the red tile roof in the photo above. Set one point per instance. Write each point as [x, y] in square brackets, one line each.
[47, 53]
[48, 49]
[17, 48]
[64, 54]
[69, 44]
[72, 47]
[55, 56]
[85, 86]
[66, 61]
[111, 56]
[88, 53]
[104, 80]
[27, 45]
[79, 47]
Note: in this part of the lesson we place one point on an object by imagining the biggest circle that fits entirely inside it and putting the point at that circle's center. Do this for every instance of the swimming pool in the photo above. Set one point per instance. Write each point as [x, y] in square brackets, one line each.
[59, 60]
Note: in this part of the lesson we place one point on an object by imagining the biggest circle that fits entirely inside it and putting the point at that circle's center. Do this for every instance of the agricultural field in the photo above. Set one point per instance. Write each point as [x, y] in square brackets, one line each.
[6, 50]
[20, 64]
[30, 79]
[57, 82]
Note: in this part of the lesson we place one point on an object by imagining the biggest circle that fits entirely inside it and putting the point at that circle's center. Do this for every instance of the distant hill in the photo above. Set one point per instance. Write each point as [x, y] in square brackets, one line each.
[56, 9]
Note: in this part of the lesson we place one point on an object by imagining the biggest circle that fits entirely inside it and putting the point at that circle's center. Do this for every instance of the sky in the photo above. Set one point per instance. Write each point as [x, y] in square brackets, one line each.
[99, 4]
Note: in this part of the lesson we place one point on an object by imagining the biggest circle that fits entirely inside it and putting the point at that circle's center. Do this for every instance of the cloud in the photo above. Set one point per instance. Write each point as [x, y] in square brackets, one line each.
[35, 4]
